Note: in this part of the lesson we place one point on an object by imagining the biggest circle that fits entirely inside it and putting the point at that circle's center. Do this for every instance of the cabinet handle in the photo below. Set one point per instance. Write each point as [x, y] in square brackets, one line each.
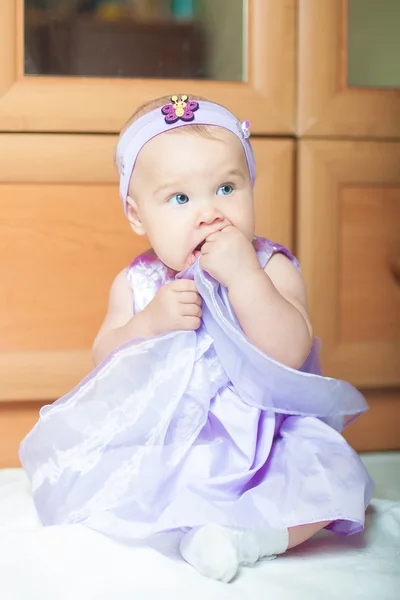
[394, 263]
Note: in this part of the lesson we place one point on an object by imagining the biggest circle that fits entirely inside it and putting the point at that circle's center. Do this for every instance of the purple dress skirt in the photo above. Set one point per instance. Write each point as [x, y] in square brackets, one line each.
[194, 427]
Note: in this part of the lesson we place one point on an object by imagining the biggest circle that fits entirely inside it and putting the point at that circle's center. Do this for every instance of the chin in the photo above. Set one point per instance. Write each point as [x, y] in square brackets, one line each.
[171, 265]
[174, 263]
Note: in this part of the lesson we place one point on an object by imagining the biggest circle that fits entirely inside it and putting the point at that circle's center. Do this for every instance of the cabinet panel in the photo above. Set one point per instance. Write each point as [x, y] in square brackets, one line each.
[64, 237]
[53, 228]
[379, 428]
[370, 250]
[327, 104]
[267, 97]
[16, 420]
[348, 235]
[274, 189]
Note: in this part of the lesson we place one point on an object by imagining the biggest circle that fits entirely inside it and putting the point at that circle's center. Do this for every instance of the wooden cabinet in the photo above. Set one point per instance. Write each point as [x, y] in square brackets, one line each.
[379, 427]
[348, 243]
[64, 237]
[327, 105]
[266, 96]
[348, 200]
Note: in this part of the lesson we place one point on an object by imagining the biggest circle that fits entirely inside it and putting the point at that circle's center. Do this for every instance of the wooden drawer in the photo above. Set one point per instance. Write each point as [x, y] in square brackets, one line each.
[63, 238]
[348, 241]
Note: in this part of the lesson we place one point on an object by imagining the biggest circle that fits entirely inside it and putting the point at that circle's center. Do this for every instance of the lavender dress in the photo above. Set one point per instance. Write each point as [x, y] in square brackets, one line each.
[196, 427]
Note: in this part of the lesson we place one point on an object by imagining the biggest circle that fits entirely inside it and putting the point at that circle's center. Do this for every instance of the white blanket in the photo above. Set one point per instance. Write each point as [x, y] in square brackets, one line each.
[75, 563]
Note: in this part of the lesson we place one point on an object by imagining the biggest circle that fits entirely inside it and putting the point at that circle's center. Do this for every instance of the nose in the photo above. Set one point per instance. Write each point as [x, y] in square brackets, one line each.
[209, 214]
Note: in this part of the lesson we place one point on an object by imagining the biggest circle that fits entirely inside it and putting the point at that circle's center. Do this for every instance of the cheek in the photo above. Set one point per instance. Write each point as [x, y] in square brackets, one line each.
[167, 232]
[243, 218]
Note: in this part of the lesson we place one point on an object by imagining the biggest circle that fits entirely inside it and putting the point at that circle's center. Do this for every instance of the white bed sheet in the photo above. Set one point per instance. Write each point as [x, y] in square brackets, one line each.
[74, 563]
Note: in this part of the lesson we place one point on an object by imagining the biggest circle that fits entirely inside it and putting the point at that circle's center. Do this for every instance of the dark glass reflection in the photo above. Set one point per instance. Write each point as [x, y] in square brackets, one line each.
[190, 39]
[374, 43]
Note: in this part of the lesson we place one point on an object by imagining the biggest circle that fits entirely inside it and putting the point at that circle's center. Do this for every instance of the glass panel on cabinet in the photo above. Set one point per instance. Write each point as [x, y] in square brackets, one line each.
[373, 43]
[180, 39]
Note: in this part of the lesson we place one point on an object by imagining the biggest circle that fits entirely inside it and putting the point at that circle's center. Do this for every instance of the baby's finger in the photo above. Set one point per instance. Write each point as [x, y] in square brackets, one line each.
[206, 247]
[205, 262]
[184, 285]
[190, 298]
[190, 323]
[191, 310]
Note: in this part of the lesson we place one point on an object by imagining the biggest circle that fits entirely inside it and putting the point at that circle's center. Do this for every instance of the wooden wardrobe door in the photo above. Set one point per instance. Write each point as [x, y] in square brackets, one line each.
[327, 105]
[16, 420]
[266, 95]
[348, 242]
[378, 429]
[64, 237]
[274, 189]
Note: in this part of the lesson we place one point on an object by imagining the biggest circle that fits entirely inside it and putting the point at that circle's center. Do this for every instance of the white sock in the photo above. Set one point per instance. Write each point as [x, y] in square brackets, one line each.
[251, 544]
[217, 552]
[211, 551]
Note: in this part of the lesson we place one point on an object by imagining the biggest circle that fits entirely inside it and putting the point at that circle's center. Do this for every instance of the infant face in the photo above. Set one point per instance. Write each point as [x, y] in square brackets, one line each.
[185, 187]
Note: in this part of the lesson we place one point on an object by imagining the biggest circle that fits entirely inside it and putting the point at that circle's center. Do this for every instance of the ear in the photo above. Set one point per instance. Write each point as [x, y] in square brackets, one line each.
[132, 212]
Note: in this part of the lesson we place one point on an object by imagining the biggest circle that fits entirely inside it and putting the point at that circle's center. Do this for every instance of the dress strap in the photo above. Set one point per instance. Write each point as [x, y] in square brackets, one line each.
[266, 249]
[145, 275]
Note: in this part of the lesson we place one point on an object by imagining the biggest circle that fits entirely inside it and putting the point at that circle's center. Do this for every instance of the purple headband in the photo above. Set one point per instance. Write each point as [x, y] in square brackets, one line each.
[179, 113]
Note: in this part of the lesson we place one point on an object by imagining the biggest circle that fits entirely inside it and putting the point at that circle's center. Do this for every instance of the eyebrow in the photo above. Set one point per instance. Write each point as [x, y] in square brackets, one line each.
[235, 173]
[166, 186]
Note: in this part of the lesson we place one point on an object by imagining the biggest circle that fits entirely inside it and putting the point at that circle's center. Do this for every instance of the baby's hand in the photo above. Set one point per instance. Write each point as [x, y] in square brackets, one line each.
[176, 307]
[228, 256]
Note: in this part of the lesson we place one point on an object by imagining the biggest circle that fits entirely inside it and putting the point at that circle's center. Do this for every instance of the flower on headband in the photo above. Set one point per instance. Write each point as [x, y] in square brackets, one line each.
[120, 164]
[181, 108]
[245, 127]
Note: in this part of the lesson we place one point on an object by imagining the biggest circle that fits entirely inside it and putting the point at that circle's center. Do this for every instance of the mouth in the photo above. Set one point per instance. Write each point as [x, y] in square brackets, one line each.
[199, 246]
[196, 252]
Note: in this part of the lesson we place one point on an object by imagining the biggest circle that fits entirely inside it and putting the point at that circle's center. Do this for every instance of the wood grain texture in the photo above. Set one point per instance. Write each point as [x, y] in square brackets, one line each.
[369, 243]
[274, 189]
[16, 420]
[327, 107]
[329, 246]
[267, 98]
[379, 428]
[48, 374]
[64, 237]
[67, 242]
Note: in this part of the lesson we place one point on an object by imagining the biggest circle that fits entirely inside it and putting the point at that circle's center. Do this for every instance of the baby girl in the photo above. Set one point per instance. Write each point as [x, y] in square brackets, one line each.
[207, 413]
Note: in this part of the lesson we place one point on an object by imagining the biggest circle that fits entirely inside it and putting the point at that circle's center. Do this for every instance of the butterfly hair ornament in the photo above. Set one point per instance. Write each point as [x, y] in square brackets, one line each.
[180, 112]
[180, 108]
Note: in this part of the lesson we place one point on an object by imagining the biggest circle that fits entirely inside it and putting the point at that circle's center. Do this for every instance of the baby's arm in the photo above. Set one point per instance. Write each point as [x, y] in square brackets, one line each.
[120, 324]
[271, 306]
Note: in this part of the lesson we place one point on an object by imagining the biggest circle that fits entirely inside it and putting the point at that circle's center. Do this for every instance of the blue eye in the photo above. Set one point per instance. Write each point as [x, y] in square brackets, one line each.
[179, 199]
[225, 190]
